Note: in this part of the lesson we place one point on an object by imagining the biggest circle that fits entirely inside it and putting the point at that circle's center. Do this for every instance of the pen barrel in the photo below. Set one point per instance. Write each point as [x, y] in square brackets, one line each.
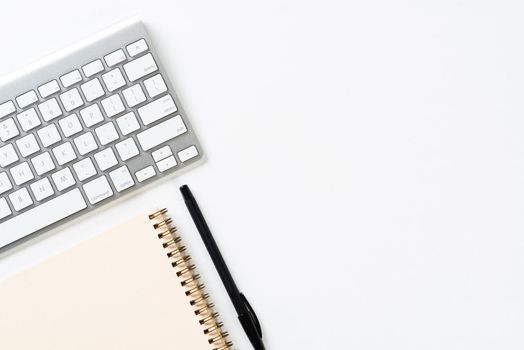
[214, 253]
[246, 314]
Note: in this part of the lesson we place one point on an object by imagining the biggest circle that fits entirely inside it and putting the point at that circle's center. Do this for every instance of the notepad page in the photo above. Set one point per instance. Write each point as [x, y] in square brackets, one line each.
[116, 291]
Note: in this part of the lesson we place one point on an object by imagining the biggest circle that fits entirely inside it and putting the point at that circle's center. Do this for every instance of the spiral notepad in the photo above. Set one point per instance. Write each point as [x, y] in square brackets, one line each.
[133, 287]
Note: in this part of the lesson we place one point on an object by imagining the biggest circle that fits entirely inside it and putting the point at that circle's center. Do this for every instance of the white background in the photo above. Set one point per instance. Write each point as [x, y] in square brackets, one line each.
[365, 173]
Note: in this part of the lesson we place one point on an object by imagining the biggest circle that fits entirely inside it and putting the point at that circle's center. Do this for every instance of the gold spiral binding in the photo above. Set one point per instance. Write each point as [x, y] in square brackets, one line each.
[198, 299]
[163, 223]
[204, 308]
[195, 289]
[213, 328]
[208, 318]
[202, 297]
[190, 280]
[226, 346]
[167, 232]
[185, 270]
[176, 251]
[157, 213]
[181, 261]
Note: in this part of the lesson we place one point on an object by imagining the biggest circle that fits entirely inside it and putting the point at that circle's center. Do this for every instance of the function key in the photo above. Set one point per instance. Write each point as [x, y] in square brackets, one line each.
[115, 58]
[7, 108]
[137, 47]
[71, 78]
[48, 89]
[92, 68]
[26, 99]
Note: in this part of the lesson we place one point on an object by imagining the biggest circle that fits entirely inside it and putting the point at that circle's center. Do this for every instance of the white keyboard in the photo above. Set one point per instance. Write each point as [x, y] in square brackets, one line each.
[84, 127]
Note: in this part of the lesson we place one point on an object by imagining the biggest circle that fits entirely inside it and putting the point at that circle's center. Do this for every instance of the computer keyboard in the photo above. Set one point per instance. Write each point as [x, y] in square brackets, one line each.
[86, 126]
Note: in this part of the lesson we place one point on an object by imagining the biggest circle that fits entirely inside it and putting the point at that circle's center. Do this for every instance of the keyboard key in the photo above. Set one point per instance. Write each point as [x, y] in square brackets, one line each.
[106, 133]
[115, 58]
[146, 173]
[155, 85]
[6, 109]
[161, 133]
[43, 163]
[98, 190]
[27, 145]
[106, 159]
[49, 135]
[162, 153]
[91, 115]
[128, 123]
[71, 100]
[48, 89]
[140, 67]
[166, 164]
[137, 47]
[41, 216]
[7, 155]
[5, 211]
[113, 80]
[27, 99]
[5, 183]
[93, 68]
[21, 173]
[127, 149]
[71, 78]
[63, 179]
[28, 119]
[157, 110]
[50, 109]
[134, 95]
[121, 178]
[64, 153]
[85, 143]
[8, 130]
[92, 90]
[20, 199]
[113, 105]
[187, 154]
[70, 125]
[84, 169]
[42, 189]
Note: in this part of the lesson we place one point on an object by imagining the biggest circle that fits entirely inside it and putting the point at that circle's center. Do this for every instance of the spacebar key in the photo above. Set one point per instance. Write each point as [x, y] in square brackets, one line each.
[41, 216]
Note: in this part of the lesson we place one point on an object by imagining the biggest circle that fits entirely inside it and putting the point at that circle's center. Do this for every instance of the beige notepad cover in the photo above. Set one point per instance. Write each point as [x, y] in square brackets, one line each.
[115, 291]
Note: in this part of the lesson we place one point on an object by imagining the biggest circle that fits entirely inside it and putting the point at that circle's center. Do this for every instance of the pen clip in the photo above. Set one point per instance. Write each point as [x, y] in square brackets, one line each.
[252, 314]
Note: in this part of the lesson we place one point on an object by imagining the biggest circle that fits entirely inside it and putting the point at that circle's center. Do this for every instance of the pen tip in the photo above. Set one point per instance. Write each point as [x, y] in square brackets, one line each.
[186, 192]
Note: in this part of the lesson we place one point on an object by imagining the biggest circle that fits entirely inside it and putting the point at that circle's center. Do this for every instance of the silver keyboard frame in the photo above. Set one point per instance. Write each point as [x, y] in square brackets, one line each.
[74, 57]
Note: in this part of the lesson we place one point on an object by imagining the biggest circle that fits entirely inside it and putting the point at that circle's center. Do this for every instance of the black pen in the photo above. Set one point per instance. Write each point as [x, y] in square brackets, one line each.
[246, 314]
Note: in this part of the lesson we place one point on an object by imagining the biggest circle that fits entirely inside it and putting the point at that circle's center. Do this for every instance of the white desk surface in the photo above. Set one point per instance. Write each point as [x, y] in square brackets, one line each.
[365, 173]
